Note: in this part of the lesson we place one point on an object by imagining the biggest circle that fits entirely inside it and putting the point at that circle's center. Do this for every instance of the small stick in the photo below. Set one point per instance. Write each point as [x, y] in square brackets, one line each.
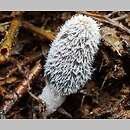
[35, 97]
[104, 81]
[8, 17]
[29, 59]
[64, 112]
[82, 101]
[9, 39]
[16, 112]
[111, 14]
[16, 13]
[21, 89]
[40, 32]
[120, 17]
[8, 80]
[3, 91]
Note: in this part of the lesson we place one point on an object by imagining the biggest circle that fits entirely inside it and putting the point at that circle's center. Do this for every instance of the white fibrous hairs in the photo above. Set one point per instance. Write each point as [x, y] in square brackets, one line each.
[69, 64]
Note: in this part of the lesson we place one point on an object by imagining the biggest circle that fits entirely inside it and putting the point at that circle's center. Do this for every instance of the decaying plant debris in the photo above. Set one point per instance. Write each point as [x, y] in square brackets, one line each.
[25, 41]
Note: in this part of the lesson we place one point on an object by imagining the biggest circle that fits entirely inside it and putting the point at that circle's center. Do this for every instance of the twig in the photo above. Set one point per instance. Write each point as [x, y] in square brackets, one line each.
[3, 91]
[101, 65]
[105, 19]
[14, 113]
[104, 81]
[16, 13]
[9, 39]
[40, 32]
[64, 112]
[111, 14]
[35, 97]
[120, 17]
[29, 59]
[8, 80]
[82, 101]
[22, 88]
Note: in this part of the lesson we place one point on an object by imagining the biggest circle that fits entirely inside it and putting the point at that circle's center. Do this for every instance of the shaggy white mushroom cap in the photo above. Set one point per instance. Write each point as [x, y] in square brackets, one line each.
[69, 62]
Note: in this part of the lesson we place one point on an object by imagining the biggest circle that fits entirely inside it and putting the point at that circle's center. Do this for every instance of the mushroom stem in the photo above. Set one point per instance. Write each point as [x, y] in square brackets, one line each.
[52, 99]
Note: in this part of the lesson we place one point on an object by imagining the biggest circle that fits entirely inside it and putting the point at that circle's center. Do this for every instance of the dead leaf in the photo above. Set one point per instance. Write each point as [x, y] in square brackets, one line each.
[112, 40]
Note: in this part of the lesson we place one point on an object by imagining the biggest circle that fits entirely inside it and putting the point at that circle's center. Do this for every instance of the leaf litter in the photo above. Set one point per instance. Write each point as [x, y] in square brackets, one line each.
[23, 50]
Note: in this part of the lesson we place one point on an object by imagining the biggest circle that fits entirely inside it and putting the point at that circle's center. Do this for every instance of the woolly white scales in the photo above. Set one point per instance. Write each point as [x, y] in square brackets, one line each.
[69, 63]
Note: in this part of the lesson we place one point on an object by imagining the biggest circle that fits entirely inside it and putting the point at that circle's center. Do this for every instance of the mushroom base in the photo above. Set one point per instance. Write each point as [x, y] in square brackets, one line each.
[52, 100]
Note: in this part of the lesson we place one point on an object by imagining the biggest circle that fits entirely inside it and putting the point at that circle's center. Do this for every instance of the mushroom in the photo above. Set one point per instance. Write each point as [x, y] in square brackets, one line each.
[69, 63]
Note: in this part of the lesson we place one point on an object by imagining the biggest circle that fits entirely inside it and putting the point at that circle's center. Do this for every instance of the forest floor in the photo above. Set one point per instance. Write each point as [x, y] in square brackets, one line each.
[25, 41]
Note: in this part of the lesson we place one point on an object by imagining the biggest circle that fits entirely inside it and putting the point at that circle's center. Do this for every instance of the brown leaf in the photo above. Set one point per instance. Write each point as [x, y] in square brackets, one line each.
[112, 40]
